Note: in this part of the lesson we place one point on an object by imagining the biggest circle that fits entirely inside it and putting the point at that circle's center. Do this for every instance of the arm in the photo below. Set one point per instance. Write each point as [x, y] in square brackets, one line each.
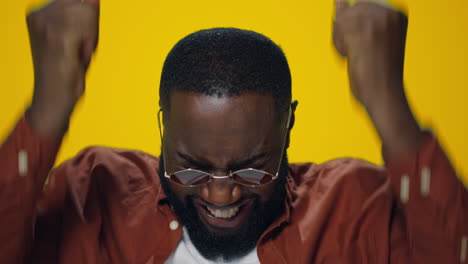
[432, 210]
[25, 162]
[433, 201]
[63, 36]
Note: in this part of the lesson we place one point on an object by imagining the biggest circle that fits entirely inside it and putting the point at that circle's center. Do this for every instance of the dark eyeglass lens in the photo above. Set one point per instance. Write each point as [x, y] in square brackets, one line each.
[252, 177]
[190, 177]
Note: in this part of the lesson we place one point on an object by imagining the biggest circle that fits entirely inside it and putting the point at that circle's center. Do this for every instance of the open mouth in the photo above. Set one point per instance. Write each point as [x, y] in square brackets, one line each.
[222, 218]
[224, 213]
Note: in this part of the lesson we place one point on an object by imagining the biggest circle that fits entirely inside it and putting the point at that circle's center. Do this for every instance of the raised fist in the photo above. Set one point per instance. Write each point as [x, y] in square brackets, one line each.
[371, 35]
[63, 36]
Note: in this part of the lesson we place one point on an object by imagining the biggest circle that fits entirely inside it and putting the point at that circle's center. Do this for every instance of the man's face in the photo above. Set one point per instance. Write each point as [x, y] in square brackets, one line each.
[219, 135]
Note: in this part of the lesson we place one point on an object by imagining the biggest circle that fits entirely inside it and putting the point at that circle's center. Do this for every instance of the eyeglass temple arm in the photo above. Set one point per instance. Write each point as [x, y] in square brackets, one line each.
[162, 149]
[284, 141]
[159, 124]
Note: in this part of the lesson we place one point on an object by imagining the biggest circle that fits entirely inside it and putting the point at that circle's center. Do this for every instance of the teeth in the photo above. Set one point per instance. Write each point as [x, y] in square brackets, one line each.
[227, 213]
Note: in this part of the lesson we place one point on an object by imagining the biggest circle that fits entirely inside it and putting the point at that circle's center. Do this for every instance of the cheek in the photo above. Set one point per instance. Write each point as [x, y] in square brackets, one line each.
[266, 192]
[180, 192]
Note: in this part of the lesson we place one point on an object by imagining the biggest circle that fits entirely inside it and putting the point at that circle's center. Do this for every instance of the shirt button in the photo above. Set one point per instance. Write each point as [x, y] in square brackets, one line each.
[174, 225]
[404, 188]
[464, 249]
[425, 181]
[23, 163]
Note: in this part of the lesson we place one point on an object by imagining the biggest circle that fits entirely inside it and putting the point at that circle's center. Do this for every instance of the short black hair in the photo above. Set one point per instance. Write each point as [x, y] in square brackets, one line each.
[226, 62]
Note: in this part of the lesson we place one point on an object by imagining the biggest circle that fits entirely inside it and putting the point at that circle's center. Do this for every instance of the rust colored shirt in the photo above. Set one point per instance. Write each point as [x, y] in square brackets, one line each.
[107, 206]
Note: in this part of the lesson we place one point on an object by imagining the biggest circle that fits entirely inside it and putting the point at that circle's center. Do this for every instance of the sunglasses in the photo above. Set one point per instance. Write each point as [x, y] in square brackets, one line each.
[248, 177]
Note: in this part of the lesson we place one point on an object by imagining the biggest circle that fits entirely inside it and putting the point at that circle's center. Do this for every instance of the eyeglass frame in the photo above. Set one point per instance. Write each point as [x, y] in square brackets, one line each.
[231, 173]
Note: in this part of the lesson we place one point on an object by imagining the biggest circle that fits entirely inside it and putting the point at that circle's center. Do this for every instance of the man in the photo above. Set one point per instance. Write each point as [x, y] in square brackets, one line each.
[222, 190]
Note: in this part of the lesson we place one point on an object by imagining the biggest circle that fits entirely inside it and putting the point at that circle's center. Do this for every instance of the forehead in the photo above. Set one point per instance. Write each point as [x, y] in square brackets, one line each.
[219, 109]
[221, 126]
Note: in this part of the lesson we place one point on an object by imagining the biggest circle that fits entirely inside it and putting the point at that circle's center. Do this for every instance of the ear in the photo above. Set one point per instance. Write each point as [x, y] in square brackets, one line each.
[292, 119]
[293, 116]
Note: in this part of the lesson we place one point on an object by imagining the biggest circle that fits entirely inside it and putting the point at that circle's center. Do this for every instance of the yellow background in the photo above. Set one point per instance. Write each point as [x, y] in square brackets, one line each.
[120, 105]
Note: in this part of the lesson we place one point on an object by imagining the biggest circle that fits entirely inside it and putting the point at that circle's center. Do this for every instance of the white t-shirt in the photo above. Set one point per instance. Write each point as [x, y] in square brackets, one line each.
[186, 253]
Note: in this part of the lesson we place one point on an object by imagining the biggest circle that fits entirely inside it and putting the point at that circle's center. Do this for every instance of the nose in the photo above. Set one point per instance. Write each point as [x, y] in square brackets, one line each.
[221, 192]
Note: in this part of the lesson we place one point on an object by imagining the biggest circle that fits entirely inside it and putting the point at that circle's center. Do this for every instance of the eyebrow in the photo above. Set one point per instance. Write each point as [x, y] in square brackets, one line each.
[234, 165]
[194, 162]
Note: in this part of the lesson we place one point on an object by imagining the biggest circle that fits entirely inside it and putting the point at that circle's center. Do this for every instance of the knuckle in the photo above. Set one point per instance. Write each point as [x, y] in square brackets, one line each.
[375, 19]
[90, 14]
[400, 17]
[80, 16]
[63, 22]
[36, 21]
[32, 17]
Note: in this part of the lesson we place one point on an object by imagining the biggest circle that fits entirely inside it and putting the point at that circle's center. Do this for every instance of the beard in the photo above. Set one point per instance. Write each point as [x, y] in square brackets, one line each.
[229, 246]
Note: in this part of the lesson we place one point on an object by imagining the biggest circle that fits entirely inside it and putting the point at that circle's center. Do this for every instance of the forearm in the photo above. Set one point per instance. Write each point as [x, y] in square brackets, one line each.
[394, 121]
[433, 204]
[48, 119]
[433, 200]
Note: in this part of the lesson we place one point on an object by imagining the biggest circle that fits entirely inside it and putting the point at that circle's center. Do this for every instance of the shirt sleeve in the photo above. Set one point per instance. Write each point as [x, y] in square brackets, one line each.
[432, 207]
[69, 214]
[25, 161]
